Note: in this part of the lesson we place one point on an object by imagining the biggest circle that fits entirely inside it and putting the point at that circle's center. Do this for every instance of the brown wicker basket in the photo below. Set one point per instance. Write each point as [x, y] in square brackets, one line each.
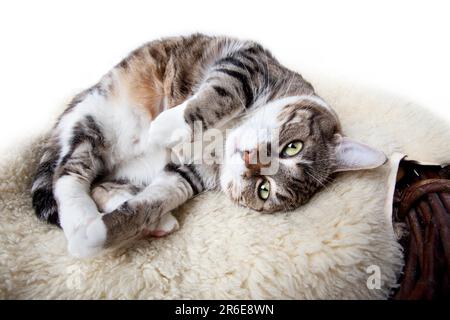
[422, 204]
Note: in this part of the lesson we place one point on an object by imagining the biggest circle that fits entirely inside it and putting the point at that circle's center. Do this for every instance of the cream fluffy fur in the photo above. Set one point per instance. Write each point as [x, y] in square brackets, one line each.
[321, 250]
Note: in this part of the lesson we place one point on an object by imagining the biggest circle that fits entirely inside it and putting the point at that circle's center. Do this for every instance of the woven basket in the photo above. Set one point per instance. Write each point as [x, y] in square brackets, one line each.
[422, 207]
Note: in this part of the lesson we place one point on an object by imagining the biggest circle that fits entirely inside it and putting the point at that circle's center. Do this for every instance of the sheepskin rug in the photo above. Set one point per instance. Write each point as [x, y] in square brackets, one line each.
[327, 249]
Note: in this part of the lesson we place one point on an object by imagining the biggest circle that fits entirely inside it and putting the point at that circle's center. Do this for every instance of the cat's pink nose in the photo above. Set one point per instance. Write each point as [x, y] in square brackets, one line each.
[252, 162]
[249, 157]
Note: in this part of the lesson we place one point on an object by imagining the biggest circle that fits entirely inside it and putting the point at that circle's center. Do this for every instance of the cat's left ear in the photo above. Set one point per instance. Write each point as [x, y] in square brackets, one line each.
[353, 155]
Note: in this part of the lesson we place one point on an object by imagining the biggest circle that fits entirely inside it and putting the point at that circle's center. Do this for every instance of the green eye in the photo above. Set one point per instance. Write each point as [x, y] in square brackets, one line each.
[292, 148]
[264, 190]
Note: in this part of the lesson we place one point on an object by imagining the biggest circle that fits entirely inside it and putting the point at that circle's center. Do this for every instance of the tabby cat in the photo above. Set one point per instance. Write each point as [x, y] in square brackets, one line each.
[108, 173]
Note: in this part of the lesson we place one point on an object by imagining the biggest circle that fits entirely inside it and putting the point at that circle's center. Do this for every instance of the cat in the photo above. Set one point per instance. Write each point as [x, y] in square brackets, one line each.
[108, 174]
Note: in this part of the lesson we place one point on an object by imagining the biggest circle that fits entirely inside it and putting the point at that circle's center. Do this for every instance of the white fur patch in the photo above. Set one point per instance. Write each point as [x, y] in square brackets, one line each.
[75, 205]
[88, 239]
[79, 218]
[169, 128]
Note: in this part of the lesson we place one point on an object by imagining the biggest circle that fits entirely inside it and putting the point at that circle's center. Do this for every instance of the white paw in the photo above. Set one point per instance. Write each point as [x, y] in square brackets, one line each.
[88, 239]
[166, 225]
[169, 128]
[109, 200]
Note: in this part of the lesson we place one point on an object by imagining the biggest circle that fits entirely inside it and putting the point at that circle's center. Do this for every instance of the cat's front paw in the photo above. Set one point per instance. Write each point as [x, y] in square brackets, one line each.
[88, 240]
[169, 128]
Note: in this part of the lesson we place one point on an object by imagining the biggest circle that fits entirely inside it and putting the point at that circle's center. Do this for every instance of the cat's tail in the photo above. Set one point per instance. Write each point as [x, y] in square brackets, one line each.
[43, 200]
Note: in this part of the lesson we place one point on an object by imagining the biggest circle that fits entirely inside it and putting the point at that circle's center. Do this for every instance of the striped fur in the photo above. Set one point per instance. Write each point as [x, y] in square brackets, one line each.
[118, 130]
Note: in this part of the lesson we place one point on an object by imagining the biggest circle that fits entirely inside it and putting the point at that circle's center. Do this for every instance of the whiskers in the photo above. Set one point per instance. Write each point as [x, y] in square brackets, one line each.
[321, 179]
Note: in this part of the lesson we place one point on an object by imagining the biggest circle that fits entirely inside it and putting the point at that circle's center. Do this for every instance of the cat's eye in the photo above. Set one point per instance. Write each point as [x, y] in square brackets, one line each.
[292, 148]
[264, 190]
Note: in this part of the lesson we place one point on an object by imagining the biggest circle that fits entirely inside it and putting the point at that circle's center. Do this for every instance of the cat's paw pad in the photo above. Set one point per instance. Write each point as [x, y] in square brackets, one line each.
[166, 225]
[88, 240]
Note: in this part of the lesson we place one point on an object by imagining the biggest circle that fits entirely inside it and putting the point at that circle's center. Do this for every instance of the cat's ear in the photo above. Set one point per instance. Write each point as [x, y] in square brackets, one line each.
[353, 155]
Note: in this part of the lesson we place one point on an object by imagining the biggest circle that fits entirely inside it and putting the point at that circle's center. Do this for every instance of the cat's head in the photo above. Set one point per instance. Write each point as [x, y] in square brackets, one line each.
[281, 155]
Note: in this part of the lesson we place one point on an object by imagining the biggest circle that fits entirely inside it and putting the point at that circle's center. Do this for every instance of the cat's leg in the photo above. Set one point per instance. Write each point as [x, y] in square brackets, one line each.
[147, 210]
[112, 194]
[83, 155]
[228, 91]
[72, 184]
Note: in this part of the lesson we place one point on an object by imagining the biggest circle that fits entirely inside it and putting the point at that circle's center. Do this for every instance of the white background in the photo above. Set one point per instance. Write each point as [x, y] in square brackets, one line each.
[51, 49]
